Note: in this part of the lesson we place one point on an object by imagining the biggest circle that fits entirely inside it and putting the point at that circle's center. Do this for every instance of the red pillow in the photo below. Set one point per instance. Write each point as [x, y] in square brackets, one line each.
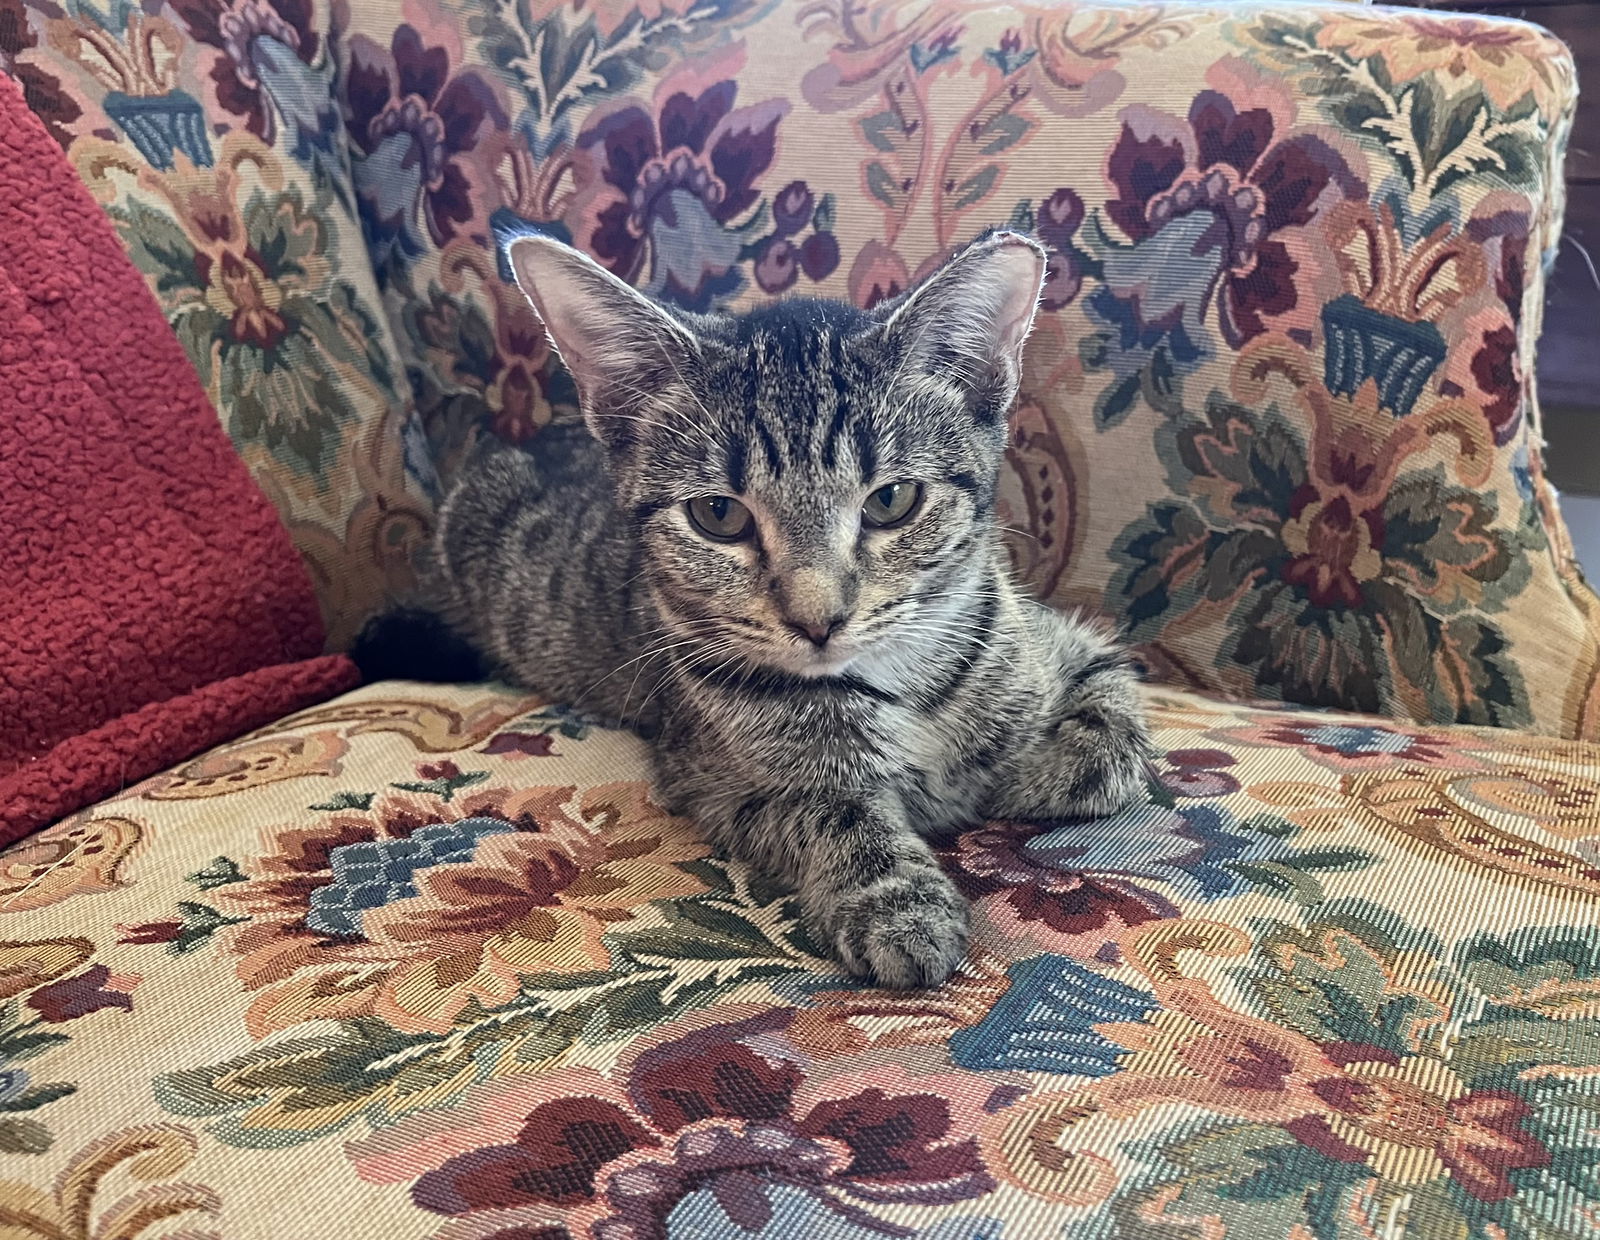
[141, 570]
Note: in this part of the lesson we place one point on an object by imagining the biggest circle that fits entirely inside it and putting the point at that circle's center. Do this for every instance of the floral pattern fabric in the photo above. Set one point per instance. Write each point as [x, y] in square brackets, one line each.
[431, 962]
[1278, 414]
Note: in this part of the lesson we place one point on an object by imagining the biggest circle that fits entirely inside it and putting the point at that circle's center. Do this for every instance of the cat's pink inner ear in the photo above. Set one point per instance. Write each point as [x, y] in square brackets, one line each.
[567, 291]
[980, 305]
[1018, 268]
[619, 346]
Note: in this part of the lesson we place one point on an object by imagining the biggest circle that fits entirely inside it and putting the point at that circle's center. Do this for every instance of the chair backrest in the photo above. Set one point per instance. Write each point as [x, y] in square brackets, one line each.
[1278, 418]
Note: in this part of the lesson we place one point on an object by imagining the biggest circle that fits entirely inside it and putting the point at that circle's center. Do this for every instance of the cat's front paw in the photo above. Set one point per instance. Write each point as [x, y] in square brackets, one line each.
[905, 931]
[1105, 765]
[1090, 760]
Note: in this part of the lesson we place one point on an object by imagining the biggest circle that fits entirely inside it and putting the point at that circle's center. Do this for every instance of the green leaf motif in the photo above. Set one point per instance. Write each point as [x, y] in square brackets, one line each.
[23, 1039]
[198, 923]
[882, 186]
[221, 872]
[884, 131]
[346, 800]
[1006, 130]
[23, 1136]
[721, 921]
[298, 1089]
[976, 187]
[38, 1096]
[924, 58]
[713, 874]
[445, 789]
[827, 211]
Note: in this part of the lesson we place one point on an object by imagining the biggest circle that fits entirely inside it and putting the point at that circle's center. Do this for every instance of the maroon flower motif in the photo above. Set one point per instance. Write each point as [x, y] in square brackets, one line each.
[1504, 236]
[524, 744]
[233, 27]
[1059, 217]
[1254, 184]
[89, 991]
[1063, 910]
[1198, 773]
[414, 122]
[782, 256]
[1491, 376]
[819, 256]
[1479, 1136]
[697, 154]
[720, 1109]
[791, 208]
[1497, 367]
[778, 265]
[41, 91]
[150, 932]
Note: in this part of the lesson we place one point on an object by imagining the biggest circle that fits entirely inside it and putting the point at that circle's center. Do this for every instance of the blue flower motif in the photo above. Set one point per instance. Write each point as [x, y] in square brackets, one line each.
[1045, 1021]
[1354, 740]
[1190, 848]
[374, 873]
[1151, 308]
[1522, 472]
[13, 1083]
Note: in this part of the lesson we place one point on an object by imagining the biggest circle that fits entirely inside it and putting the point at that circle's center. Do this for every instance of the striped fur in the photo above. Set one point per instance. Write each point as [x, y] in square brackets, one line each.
[944, 696]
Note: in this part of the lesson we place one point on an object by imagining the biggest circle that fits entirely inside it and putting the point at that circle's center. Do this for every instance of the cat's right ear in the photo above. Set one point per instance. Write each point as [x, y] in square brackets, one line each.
[622, 349]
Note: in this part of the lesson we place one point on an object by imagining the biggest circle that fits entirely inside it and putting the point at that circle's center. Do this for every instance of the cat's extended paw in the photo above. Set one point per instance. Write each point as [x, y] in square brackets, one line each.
[1093, 759]
[907, 930]
[1106, 765]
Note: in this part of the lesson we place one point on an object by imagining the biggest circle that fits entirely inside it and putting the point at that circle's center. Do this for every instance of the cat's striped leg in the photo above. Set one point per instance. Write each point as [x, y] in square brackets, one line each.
[869, 886]
[1090, 751]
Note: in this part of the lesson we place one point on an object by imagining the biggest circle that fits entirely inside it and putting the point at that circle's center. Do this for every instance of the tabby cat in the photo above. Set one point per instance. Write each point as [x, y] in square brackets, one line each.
[775, 551]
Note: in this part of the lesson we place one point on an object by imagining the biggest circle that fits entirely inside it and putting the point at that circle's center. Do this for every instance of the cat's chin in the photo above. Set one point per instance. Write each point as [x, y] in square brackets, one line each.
[814, 664]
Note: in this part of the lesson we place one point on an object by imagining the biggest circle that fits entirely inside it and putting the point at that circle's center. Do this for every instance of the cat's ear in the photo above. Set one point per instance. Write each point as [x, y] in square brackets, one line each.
[622, 349]
[967, 322]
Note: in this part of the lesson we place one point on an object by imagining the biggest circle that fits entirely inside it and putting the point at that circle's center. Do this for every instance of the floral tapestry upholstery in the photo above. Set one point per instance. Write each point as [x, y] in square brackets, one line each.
[1278, 418]
[429, 962]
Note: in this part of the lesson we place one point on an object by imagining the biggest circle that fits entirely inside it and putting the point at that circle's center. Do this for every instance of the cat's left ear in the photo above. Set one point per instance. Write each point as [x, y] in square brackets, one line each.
[967, 322]
[622, 349]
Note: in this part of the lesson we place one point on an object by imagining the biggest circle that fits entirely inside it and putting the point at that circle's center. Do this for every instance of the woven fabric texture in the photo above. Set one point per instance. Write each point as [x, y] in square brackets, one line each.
[431, 963]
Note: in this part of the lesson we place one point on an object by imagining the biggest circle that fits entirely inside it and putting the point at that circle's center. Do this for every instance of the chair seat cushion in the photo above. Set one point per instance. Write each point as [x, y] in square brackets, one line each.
[431, 962]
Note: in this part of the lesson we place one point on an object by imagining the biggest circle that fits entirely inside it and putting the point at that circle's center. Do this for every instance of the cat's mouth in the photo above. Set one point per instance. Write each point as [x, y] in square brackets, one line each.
[822, 662]
[804, 659]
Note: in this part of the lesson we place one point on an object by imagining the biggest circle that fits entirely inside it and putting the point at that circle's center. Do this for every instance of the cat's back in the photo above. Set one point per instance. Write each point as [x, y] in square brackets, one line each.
[531, 563]
[502, 487]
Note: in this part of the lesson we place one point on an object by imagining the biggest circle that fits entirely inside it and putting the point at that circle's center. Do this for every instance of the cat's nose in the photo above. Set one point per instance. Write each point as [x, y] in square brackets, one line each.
[817, 633]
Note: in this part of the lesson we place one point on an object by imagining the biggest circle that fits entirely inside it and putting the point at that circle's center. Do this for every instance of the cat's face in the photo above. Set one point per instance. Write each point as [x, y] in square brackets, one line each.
[813, 486]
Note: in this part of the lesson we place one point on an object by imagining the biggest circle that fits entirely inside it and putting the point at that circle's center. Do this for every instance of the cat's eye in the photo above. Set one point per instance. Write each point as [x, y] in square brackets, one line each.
[720, 518]
[891, 505]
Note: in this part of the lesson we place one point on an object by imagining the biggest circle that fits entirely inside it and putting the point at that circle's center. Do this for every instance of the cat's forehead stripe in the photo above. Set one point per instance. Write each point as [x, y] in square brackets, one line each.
[795, 373]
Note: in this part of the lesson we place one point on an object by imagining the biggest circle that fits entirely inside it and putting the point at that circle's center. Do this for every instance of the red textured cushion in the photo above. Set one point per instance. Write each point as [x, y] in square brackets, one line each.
[138, 560]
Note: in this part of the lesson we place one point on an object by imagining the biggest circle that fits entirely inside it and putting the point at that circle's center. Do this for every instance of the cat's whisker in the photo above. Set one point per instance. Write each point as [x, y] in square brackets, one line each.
[932, 627]
[645, 657]
[654, 651]
[653, 398]
[694, 396]
[684, 441]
